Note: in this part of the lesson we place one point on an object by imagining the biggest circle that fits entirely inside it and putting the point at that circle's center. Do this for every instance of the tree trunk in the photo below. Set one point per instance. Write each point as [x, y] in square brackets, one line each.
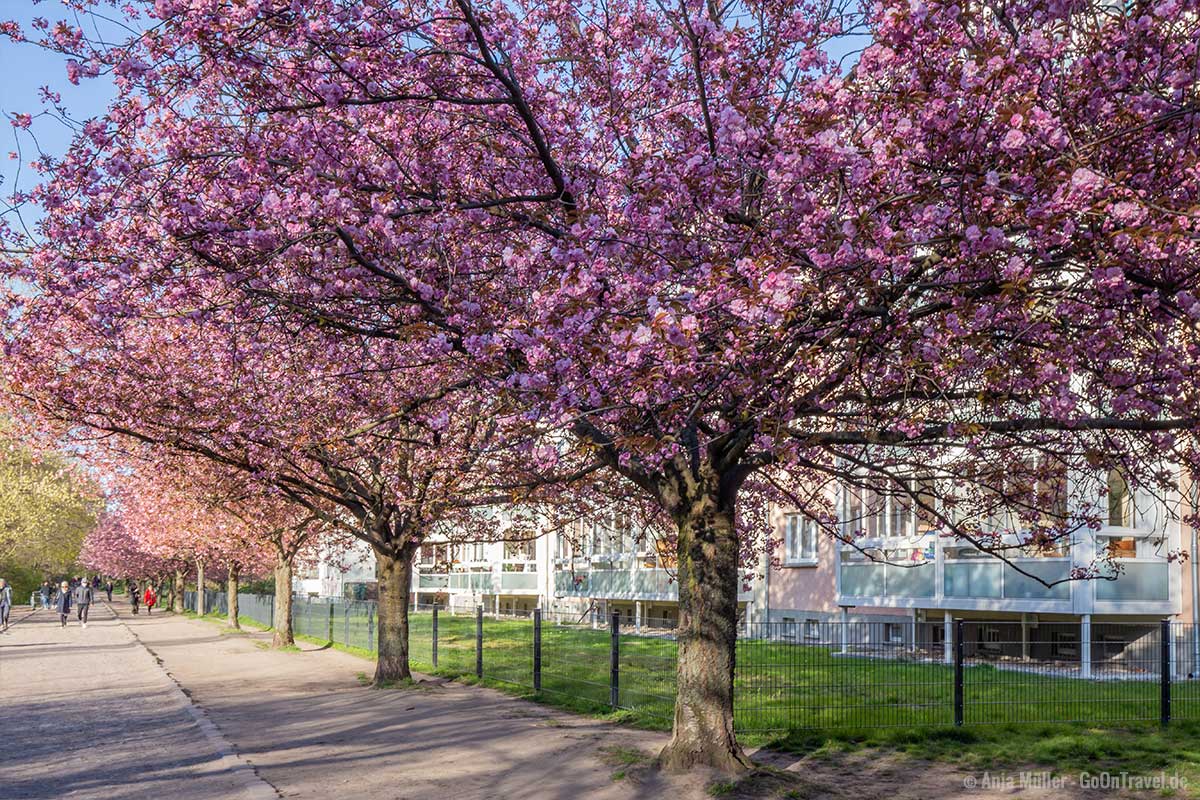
[177, 593]
[708, 575]
[200, 588]
[282, 621]
[395, 578]
[232, 597]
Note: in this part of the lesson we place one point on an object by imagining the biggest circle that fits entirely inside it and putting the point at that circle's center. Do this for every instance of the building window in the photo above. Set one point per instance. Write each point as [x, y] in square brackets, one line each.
[812, 629]
[1064, 644]
[1120, 501]
[478, 552]
[893, 632]
[519, 550]
[800, 540]
[989, 638]
[1122, 547]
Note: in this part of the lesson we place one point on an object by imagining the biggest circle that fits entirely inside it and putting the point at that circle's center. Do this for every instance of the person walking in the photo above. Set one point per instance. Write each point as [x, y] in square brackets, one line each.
[132, 588]
[47, 591]
[108, 590]
[62, 602]
[5, 604]
[83, 601]
[150, 598]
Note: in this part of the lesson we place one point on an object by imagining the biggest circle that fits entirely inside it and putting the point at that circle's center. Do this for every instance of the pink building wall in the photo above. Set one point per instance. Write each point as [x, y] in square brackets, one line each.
[808, 588]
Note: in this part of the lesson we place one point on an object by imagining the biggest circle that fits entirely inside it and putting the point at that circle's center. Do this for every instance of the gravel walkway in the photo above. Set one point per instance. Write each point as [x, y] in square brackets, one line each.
[87, 713]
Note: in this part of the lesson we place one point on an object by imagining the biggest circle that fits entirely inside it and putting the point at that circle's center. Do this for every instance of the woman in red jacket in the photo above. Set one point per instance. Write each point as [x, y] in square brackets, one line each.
[149, 598]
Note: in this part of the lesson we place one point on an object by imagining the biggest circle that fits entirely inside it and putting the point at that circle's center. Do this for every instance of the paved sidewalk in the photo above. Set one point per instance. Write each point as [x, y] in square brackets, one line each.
[313, 731]
[89, 714]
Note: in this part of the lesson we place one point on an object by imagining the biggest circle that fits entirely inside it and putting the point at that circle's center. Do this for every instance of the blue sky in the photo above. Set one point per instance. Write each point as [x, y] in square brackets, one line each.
[23, 70]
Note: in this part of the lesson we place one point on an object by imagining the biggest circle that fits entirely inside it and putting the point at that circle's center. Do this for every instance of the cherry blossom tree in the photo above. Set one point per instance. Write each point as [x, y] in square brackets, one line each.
[362, 440]
[686, 242]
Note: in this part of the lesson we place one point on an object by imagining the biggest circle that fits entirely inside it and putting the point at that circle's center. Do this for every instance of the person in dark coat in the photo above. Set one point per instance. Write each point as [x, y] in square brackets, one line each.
[47, 591]
[5, 603]
[83, 601]
[132, 588]
[62, 602]
[108, 590]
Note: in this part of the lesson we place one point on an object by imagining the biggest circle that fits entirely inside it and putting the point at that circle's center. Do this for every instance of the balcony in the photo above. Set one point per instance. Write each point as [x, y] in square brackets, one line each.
[994, 579]
[988, 581]
[872, 579]
[621, 584]
[432, 580]
[471, 581]
[1140, 581]
[518, 581]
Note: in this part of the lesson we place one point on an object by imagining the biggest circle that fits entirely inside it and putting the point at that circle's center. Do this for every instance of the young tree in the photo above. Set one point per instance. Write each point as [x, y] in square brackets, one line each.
[48, 505]
[688, 236]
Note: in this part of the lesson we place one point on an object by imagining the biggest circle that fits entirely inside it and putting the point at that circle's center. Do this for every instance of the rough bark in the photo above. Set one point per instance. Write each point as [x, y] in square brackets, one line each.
[708, 575]
[177, 593]
[395, 578]
[232, 597]
[200, 588]
[282, 622]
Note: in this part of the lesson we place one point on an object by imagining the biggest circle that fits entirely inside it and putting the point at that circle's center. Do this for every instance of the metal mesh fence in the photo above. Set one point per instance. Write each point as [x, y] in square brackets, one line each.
[1050, 672]
[508, 648]
[576, 661]
[353, 623]
[810, 674]
[311, 618]
[825, 674]
[646, 669]
[257, 607]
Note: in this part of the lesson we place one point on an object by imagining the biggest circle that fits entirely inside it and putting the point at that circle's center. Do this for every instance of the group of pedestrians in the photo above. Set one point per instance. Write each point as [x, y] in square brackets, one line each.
[76, 595]
[149, 597]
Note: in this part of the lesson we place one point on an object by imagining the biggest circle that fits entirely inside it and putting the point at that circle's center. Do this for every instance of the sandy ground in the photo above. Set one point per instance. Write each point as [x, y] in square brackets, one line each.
[99, 713]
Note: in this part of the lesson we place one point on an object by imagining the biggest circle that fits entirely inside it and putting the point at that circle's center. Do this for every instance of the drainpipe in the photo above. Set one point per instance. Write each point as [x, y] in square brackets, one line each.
[1085, 646]
[1195, 585]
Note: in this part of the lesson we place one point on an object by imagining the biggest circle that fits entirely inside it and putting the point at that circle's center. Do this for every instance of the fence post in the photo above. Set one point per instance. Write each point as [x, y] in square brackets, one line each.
[958, 672]
[1164, 703]
[614, 682]
[346, 623]
[331, 620]
[371, 627]
[433, 638]
[537, 650]
[271, 618]
[479, 641]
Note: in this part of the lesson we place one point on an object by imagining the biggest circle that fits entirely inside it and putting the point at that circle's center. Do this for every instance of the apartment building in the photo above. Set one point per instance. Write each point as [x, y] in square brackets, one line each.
[588, 571]
[913, 581]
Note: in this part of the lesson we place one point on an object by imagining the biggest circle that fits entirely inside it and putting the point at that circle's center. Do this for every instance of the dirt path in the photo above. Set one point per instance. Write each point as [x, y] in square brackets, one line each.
[86, 713]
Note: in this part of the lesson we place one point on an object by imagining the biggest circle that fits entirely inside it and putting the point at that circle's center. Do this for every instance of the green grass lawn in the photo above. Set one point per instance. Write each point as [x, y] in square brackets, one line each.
[784, 687]
[812, 701]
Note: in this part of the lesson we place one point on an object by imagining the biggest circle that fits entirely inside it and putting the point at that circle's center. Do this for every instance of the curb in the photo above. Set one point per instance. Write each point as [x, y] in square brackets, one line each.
[256, 786]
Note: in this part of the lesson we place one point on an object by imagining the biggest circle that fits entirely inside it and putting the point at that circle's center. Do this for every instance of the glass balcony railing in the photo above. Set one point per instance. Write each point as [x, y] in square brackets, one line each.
[518, 581]
[1137, 582]
[623, 583]
[433, 581]
[986, 579]
[873, 579]
[471, 581]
